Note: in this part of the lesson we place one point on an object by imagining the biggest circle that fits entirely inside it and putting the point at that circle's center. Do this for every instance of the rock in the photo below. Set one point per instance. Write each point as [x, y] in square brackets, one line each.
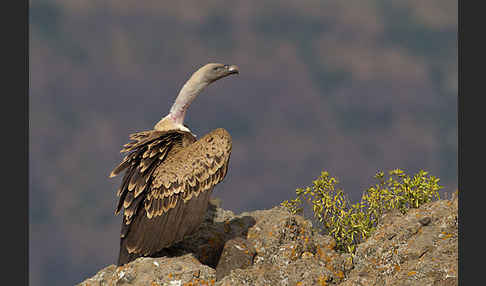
[238, 253]
[273, 247]
[208, 241]
[288, 252]
[423, 250]
[425, 221]
[155, 271]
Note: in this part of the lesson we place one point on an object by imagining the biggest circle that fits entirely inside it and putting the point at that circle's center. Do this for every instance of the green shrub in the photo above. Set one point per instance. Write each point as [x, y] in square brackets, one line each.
[349, 223]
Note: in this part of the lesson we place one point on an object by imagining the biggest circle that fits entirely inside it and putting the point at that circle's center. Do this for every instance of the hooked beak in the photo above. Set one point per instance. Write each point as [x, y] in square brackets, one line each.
[233, 69]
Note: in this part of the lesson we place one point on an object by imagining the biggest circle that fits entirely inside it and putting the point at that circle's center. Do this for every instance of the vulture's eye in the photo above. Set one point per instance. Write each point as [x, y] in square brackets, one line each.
[216, 68]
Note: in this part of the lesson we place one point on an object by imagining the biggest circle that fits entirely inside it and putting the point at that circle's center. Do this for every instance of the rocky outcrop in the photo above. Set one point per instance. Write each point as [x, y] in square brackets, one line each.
[419, 248]
[272, 247]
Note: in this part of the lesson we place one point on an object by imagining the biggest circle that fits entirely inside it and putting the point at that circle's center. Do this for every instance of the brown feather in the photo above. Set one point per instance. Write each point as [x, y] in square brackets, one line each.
[122, 166]
[125, 180]
[128, 200]
[140, 185]
[133, 179]
[173, 188]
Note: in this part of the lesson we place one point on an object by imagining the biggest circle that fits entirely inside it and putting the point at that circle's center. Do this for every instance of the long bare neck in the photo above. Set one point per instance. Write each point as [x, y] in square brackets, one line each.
[175, 118]
[186, 96]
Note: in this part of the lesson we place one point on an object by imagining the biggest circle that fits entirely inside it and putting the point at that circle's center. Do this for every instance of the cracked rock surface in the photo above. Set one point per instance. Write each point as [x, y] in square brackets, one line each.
[273, 247]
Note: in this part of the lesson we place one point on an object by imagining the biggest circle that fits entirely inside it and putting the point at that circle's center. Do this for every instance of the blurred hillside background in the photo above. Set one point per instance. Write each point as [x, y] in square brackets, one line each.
[352, 87]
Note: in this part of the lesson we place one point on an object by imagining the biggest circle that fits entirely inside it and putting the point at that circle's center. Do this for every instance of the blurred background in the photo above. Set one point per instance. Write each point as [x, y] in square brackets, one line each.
[352, 87]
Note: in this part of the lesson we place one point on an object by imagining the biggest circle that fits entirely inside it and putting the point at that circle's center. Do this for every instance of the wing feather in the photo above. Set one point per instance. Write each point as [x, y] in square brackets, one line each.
[196, 168]
[172, 204]
[139, 170]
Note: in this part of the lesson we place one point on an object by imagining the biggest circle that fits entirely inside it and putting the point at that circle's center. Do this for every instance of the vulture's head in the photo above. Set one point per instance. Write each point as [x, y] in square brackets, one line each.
[196, 83]
[214, 71]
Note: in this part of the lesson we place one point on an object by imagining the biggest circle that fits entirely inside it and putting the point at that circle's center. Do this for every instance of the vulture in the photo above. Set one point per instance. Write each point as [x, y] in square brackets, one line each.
[169, 175]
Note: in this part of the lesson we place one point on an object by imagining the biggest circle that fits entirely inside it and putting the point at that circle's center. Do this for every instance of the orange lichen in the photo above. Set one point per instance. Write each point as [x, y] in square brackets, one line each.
[322, 280]
[324, 256]
[411, 273]
[339, 274]
[332, 245]
[319, 252]
[292, 253]
[199, 282]
[446, 235]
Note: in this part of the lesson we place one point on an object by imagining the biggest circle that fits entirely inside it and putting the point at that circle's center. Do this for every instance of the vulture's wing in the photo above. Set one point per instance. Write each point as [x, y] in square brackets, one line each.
[176, 197]
[147, 151]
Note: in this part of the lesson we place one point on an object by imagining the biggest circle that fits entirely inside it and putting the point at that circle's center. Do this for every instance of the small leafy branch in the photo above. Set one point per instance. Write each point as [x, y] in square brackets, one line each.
[351, 224]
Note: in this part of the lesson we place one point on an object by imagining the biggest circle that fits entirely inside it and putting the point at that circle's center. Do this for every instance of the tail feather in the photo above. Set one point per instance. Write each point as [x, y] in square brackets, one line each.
[124, 257]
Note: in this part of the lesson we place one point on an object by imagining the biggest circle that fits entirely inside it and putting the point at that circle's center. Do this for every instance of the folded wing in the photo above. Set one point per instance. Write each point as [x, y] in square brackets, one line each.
[165, 191]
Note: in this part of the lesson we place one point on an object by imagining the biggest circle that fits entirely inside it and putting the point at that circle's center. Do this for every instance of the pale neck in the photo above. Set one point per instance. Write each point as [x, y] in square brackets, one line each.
[186, 96]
